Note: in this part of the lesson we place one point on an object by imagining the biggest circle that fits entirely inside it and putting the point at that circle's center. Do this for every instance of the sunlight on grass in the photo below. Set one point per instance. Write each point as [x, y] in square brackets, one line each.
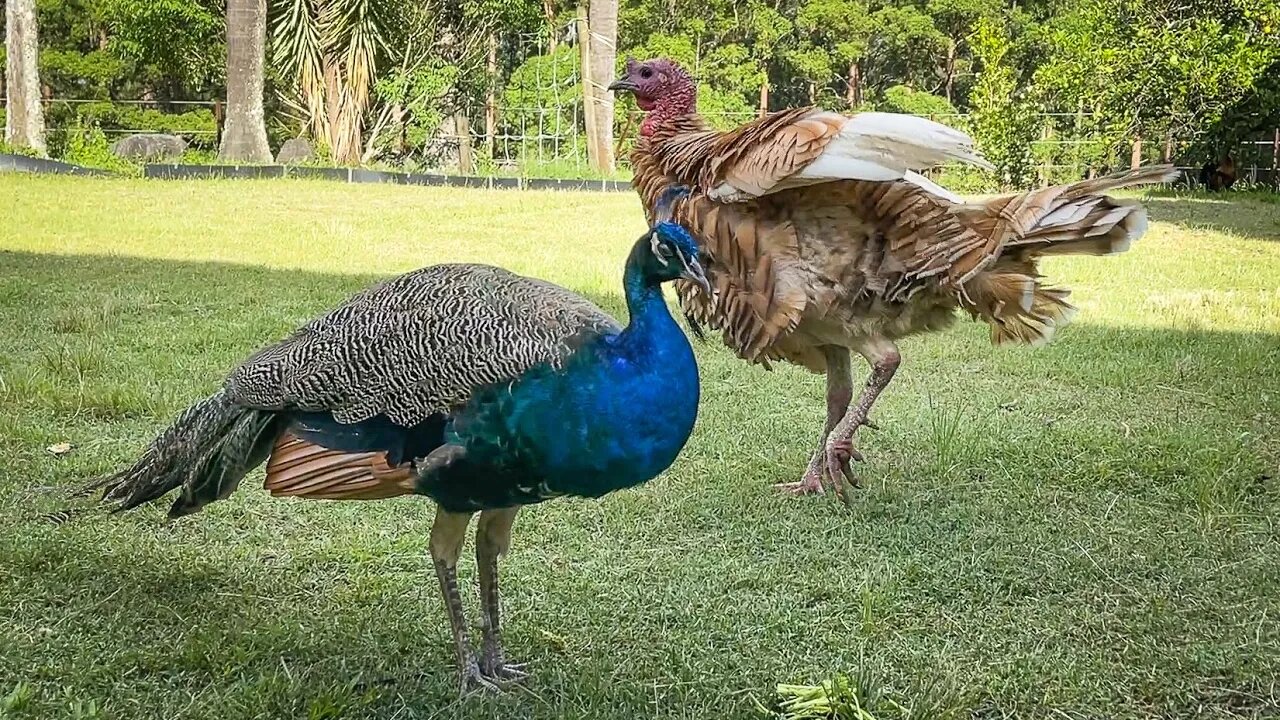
[1081, 530]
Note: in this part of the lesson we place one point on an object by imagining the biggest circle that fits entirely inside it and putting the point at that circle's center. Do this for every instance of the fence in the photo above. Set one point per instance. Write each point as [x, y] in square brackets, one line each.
[532, 124]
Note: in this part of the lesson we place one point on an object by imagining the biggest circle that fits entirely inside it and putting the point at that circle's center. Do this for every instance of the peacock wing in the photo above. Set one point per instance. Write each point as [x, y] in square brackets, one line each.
[419, 345]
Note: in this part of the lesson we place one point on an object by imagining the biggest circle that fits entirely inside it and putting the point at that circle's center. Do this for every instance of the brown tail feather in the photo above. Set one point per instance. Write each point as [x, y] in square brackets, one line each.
[298, 468]
[1075, 219]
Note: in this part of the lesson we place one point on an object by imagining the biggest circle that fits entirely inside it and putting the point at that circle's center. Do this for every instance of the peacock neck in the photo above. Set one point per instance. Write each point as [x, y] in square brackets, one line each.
[650, 318]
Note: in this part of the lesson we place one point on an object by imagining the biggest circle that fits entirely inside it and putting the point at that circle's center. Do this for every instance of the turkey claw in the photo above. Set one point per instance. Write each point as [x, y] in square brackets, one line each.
[838, 472]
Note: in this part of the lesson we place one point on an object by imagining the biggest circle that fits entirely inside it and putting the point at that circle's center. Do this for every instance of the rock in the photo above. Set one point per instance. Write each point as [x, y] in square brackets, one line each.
[151, 147]
[295, 150]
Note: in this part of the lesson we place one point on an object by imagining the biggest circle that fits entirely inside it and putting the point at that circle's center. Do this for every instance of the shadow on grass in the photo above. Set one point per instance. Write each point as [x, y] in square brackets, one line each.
[1250, 215]
[292, 609]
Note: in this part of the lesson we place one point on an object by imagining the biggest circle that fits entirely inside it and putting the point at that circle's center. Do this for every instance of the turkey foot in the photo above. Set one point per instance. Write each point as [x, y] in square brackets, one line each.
[839, 394]
[840, 453]
[813, 482]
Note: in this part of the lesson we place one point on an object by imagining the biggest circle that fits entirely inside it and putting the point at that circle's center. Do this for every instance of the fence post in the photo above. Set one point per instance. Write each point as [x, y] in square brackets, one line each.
[1275, 159]
[491, 98]
[588, 87]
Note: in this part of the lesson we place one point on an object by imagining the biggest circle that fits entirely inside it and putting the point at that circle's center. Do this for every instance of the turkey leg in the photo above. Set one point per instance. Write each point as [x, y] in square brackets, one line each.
[883, 356]
[493, 539]
[447, 535]
[839, 394]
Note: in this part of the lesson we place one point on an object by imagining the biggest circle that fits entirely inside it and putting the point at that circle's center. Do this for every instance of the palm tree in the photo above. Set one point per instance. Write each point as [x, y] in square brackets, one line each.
[24, 121]
[244, 135]
[331, 49]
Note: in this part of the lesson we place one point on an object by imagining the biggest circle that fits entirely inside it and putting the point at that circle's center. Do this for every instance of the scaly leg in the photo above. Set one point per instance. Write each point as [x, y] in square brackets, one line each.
[493, 539]
[447, 535]
[839, 394]
[884, 358]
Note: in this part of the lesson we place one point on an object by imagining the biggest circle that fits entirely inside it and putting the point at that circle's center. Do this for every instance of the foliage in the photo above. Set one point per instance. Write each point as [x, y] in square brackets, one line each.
[903, 99]
[87, 145]
[376, 78]
[1004, 120]
[174, 41]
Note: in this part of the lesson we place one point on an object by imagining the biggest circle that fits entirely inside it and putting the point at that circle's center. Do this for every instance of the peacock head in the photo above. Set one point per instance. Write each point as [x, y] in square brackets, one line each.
[672, 255]
[658, 81]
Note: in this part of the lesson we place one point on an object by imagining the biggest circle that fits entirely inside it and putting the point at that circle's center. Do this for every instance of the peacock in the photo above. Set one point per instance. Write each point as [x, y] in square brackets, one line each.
[479, 388]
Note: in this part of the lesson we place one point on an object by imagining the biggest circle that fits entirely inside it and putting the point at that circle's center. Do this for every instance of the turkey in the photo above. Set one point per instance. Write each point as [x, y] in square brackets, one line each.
[476, 387]
[819, 238]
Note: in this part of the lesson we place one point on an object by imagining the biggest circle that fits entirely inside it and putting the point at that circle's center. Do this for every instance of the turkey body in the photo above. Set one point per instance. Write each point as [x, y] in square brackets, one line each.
[479, 388]
[820, 240]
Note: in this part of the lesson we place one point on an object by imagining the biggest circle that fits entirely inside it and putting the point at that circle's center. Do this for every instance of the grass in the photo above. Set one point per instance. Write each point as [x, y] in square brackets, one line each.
[1086, 530]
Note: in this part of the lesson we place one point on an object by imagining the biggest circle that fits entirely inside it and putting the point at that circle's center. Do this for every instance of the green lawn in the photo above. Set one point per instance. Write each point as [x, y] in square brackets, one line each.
[1088, 530]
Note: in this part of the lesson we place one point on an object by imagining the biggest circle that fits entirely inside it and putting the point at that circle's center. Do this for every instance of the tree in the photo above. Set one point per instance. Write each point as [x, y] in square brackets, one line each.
[331, 50]
[244, 135]
[602, 22]
[1005, 123]
[24, 118]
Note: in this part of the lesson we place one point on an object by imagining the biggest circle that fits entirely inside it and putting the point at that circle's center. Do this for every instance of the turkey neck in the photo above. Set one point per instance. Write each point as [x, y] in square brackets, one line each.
[672, 114]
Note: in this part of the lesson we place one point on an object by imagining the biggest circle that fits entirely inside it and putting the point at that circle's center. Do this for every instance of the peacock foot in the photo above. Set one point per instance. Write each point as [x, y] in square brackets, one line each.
[495, 667]
[472, 680]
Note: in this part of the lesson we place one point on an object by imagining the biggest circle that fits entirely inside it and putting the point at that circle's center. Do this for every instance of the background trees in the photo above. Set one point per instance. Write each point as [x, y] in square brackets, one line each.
[1049, 88]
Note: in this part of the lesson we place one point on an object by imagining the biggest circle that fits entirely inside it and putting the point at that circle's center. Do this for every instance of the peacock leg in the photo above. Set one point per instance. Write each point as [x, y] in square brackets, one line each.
[493, 539]
[839, 394]
[883, 356]
[447, 535]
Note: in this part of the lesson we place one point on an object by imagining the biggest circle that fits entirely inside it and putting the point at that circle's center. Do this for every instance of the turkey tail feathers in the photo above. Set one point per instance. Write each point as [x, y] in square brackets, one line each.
[206, 451]
[1075, 219]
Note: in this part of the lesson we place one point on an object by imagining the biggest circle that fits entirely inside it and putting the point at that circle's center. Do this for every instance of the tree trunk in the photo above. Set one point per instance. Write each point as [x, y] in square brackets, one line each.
[462, 129]
[764, 97]
[1135, 159]
[853, 92]
[602, 23]
[549, 12]
[244, 134]
[24, 121]
[1275, 159]
[491, 98]
[1167, 154]
[950, 69]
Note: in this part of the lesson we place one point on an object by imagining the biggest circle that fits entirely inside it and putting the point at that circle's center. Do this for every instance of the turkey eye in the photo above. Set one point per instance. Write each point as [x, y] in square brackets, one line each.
[646, 73]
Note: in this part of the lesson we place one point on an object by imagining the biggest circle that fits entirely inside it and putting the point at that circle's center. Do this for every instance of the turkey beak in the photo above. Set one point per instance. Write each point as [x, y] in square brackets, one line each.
[623, 84]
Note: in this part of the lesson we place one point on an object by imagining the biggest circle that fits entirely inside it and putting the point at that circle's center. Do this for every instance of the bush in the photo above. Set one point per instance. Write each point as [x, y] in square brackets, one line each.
[87, 145]
[904, 99]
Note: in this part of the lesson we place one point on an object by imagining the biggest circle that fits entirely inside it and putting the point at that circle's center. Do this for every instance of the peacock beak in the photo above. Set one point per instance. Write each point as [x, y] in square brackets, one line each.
[693, 273]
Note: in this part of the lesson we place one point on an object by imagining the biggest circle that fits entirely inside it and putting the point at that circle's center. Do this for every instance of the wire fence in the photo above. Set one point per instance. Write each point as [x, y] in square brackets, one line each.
[533, 123]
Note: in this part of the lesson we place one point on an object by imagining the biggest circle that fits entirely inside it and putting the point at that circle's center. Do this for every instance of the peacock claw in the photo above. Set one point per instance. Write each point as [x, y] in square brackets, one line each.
[472, 681]
[506, 673]
[494, 666]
